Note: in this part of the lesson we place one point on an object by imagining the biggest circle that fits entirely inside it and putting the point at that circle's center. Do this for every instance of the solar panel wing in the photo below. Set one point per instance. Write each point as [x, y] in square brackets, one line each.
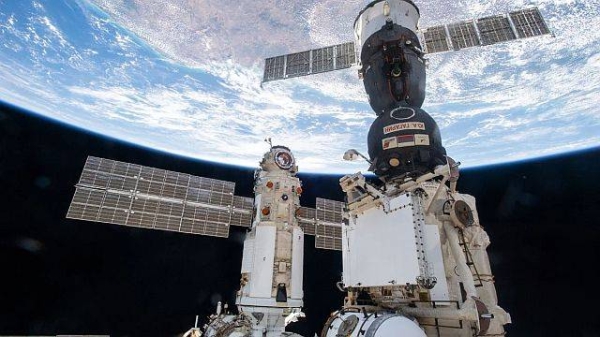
[298, 64]
[463, 35]
[308, 227]
[94, 179]
[329, 237]
[139, 196]
[495, 29]
[143, 213]
[436, 39]
[243, 203]
[529, 22]
[307, 213]
[241, 219]
[345, 55]
[274, 68]
[322, 59]
[209, 197]
[86, 204]
[485, 31]
[242, 212]
[329, 211]
[307, 220]
[309, 62]
[328, 230]
[114, 208]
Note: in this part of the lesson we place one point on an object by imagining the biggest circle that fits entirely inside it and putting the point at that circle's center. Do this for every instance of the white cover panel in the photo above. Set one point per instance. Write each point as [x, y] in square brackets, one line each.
[380, 248]
[283, 210]
[264, 256]
[297, 263]
[248, 254]
[400, 202]
[372, 19]
[433, 253]
[257, 208]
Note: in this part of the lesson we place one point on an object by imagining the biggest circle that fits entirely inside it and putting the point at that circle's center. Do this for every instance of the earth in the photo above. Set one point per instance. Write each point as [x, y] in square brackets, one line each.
[184, 76]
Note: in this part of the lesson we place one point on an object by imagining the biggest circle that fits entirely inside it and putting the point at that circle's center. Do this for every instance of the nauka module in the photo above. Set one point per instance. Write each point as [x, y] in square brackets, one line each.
[272, 263]
[270, 294]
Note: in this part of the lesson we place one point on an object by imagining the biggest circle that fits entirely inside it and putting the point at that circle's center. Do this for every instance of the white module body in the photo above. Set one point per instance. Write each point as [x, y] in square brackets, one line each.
[376, 14]
[270, 294]
[365, 248]
[416, 248]
[414, 251]
[272, 263]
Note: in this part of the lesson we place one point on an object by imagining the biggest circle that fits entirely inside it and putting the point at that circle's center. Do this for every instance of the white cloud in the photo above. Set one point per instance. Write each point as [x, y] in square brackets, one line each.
[489, 101]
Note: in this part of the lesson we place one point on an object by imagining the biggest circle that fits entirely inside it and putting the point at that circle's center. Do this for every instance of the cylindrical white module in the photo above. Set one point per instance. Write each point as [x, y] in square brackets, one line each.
[359, 324]
[272, 265]
[377, 13]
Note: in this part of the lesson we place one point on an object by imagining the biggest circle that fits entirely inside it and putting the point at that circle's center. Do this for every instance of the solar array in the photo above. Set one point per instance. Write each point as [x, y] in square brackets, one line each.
[495, 30]
[310, 62]
[485, 31]
[529, 23]
[307, 218]
[463, 35]
[436, 39]
[325, 222]
[456, 36]
[132, 195]
[138, 196]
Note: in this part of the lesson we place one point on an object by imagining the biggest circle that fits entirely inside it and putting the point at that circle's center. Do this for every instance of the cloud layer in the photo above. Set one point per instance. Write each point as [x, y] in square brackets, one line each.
[184, 76]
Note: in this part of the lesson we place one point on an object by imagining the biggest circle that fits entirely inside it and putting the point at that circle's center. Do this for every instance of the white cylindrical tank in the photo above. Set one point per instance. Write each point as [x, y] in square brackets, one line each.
[359, 324]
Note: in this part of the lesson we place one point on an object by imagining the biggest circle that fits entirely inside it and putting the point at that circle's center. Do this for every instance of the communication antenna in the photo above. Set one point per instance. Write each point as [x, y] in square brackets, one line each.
[268, 141]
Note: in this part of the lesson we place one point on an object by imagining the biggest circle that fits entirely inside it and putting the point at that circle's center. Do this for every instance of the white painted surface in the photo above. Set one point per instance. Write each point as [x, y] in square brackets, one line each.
[264, 254]
[297, 263]
[382, 326]
[373, 18]
[380, 248]
[257, 208]
[400, 201]
[399, 326]
[433, 253]
[248, 254]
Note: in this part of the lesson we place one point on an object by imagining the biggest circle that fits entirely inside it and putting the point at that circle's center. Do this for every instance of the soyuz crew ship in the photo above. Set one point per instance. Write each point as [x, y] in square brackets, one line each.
[414, 251]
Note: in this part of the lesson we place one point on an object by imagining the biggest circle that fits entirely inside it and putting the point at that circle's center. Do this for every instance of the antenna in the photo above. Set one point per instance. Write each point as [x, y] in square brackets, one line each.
[268, 141]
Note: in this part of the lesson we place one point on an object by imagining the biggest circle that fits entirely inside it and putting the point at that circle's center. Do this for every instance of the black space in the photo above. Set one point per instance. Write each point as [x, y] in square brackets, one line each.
[63, 276]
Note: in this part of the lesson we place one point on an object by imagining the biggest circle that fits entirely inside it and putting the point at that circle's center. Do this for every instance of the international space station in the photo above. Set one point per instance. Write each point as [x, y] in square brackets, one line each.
[413, 249]
[271, 290]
